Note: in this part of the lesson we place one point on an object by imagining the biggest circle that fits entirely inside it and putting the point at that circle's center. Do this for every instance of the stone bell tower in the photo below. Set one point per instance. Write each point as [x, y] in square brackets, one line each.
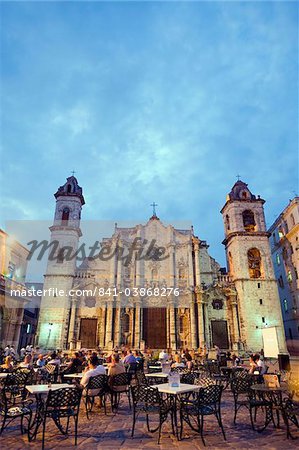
[65, 234]
[250, 267]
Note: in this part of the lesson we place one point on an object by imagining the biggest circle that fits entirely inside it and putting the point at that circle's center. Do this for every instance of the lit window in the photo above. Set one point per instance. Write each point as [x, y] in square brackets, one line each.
[290, 278]
[280, 233]
[278, 259]
[261, 301]
[254, 263]
[28, 328]
[285, 304]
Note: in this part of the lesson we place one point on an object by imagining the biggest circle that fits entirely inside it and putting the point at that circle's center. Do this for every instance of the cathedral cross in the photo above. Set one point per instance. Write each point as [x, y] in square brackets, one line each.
[73, 172]
[154, 208]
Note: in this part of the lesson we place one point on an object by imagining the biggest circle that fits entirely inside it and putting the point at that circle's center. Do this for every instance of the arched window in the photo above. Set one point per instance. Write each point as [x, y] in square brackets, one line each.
[126, 323]
[69, 188]
[292, 220]
[65, 215]
[248, 220]
[254, 263]
[154, 274]
[227, 221]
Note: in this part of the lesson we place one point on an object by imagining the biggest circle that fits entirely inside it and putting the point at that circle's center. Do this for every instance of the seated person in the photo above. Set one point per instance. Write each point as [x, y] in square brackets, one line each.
[163, 356]
[253, 364]
[8, 364]
[261, 365]
[93, 369]
[74, 365]
[40, 362]
[177, 361]
[130, 358]
[27, 363]
[54, 359]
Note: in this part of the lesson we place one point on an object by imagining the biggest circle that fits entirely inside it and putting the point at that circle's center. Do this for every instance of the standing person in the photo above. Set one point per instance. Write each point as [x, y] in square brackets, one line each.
[218, 352]
[7, 350]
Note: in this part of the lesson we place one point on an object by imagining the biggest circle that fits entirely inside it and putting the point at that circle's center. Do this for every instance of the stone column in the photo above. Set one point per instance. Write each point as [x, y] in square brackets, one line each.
[236, 335]
[71, 336]
[117, 325]
[172, 327]
[168, 327]
[201, 331]
[109, 317]
[190, 266]
[113, 267]
[193, 325]
[102, 327]
[137, 325]
[171, 278]
[197, 268]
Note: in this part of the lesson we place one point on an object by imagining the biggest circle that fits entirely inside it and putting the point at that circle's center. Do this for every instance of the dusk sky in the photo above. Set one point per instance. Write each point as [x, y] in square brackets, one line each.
[163, 102]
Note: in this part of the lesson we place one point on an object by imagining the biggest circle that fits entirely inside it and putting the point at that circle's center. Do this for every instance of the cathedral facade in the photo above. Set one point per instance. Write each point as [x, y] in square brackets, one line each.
[179, 297]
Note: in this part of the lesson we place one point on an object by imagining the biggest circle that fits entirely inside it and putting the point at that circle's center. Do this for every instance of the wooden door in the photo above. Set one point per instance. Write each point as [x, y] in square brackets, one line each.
[154, 327]
[88, 333]
[219, 333]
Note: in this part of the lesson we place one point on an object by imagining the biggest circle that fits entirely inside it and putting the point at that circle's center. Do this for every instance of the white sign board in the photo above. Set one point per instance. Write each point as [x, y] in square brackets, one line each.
[271, 349]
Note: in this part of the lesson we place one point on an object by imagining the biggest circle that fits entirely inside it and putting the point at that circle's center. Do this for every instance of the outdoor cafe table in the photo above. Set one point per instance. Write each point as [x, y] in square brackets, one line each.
[175, 392]
[40, 390]
[272, 394]
[156, 375]
[73, 375]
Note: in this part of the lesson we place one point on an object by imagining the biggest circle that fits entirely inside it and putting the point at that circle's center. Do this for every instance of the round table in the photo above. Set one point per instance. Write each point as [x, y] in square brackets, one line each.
[273, 394]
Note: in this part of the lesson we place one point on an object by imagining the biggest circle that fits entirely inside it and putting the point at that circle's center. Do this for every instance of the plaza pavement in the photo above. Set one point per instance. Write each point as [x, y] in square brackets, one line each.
[113, 432]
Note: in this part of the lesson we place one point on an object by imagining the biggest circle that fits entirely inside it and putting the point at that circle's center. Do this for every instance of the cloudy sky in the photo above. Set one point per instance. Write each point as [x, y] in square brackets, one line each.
[162, 102]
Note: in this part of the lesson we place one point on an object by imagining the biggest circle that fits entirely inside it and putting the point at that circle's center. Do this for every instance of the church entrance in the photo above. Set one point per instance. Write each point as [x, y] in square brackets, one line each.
[154, 327]
[88, 333]
[219, 333]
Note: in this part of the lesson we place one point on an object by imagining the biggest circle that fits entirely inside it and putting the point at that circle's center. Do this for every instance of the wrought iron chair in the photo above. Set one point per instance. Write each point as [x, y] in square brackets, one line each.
[14, 386]
[50, 373]
[290, 407]
[149, 401]
[155, 366]
[141, 378]
[62, 404]
[10, 411]
[205, 402]
[97, 387]
[245, 396]
[119, 384]
[189, 377]
[213, 367]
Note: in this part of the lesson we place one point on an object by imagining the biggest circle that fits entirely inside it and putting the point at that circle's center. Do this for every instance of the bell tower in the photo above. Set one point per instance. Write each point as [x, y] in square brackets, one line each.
[61, 267]
[250, 267]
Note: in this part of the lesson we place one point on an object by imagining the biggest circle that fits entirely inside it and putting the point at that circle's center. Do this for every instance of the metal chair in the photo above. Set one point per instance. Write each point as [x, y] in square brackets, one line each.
[205, 402]
[62, 404]
[10, 411]
[245, 396]
[290, 407]
[119, 384]
[14, 386]
[97, 387]
[149, 401]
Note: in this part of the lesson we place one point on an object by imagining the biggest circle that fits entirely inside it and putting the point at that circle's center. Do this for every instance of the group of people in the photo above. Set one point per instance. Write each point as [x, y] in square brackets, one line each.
[257, 364]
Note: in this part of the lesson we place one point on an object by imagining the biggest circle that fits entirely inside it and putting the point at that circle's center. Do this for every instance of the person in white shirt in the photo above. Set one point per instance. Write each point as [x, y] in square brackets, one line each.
[93, 369]
[54, 360]
[163, 356]
[262, 366]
